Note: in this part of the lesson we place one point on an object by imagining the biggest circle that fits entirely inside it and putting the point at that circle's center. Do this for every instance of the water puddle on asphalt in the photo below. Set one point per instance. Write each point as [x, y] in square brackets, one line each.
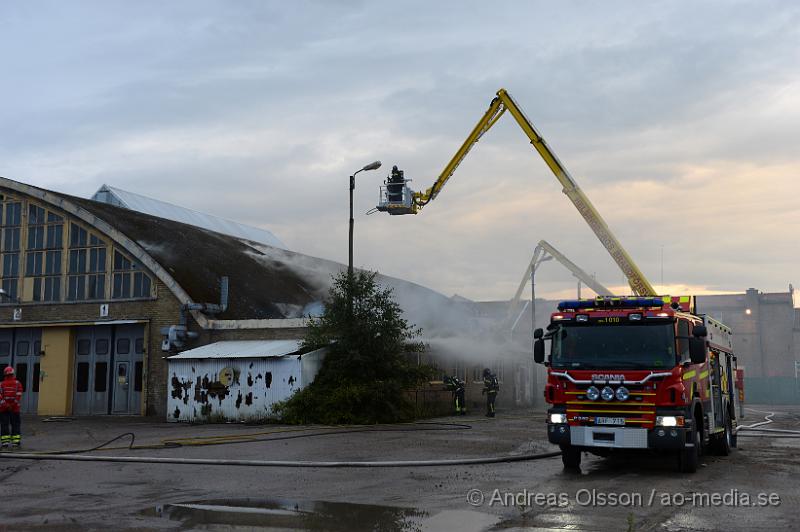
[282, 514]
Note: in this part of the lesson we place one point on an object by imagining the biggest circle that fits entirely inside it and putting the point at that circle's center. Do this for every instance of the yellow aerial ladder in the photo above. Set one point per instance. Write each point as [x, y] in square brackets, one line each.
[397, 198]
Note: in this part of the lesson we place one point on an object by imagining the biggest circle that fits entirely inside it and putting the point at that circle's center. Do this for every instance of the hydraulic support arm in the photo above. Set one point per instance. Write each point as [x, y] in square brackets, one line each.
[545, 251]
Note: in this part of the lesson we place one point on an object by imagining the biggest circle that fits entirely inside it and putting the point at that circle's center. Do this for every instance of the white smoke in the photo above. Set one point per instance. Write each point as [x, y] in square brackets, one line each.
[452, 328]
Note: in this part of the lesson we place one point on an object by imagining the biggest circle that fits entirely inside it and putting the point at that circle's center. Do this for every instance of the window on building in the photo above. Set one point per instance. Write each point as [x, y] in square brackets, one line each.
[22, 374]
[123, 346]
[86, 265]
[36, 236]
[129, 280]
[78, 236]
[22, 349]
[55, 231]
[11, 218]
[49, 258]
[36, 215]
[82, 384]
[36, 378]
[84, 346]
[11, 265]
[10, 288]
[13, 213]
[43, 256]
[101, 346]
[137, 377]
[100, 376]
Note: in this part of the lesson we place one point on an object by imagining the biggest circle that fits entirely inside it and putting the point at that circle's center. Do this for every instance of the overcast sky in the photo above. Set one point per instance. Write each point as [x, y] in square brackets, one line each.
[680, 120]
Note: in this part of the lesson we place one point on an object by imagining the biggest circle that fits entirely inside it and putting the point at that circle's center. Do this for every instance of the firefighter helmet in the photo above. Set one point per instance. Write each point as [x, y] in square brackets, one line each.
[8, 371]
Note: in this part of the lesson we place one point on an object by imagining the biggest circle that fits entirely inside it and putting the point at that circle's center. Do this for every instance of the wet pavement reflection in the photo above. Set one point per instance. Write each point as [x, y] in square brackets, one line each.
[282, 514]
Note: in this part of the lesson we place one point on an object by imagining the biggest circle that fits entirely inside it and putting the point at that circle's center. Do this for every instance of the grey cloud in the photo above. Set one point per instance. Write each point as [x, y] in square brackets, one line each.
[310, 91]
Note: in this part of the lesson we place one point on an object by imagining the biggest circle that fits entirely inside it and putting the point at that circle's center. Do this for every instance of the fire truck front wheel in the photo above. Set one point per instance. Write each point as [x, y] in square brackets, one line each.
[689, 457]
[571, 457]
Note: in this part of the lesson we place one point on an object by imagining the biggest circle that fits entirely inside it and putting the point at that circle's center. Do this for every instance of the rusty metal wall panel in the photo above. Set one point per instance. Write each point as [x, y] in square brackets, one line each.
[238, 389]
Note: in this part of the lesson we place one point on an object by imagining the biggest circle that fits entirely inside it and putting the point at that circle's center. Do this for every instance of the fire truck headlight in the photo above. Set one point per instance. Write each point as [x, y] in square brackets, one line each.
[669, 421]
[607, 394]
[622, 393]
[558, 418]
[592, 393]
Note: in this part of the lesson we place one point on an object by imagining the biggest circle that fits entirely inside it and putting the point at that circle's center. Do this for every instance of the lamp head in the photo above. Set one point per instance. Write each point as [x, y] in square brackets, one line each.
[372, 166]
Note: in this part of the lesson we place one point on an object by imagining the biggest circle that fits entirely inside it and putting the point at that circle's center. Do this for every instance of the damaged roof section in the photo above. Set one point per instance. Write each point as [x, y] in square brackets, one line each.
[162, 209]
[197, 258]
[265, 282]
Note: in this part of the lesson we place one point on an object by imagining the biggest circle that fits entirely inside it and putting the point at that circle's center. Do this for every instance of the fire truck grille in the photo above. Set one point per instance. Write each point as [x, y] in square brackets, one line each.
[638, 411]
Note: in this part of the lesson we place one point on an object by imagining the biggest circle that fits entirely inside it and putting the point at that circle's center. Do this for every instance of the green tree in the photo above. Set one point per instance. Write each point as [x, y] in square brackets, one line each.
[368, 366]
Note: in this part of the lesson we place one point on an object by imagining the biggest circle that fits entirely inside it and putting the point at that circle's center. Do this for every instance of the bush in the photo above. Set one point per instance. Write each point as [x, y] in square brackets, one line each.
[367, 367]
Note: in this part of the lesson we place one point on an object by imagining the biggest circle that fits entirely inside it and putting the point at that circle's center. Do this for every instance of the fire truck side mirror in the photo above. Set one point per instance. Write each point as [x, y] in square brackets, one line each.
[697, 350]
[538, 350]
[538, 333]
[699, 331]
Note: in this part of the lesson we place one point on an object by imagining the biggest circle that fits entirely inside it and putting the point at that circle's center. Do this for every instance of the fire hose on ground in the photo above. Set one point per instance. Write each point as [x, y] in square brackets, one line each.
[762, 432]
[75, 455]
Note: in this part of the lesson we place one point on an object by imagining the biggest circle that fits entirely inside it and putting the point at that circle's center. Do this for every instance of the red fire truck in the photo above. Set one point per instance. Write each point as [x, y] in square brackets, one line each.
[628, 373]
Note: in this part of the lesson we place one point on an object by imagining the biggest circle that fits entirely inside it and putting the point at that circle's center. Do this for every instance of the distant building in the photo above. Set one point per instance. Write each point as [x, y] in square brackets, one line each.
[764, 339]
[796, 335]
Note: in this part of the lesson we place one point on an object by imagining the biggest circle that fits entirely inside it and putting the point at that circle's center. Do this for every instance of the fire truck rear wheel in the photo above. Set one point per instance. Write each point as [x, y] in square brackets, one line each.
[725, 442]
[571, 457]
[689, 457]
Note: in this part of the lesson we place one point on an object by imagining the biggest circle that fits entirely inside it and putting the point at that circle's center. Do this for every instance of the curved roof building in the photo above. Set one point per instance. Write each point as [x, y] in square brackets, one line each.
[93, 291]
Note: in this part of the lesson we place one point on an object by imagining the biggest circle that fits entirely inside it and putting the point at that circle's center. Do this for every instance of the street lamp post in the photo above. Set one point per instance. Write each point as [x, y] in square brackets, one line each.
[370, 166]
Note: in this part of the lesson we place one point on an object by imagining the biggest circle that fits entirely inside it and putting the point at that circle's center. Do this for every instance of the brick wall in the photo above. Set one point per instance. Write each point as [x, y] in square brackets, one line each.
[161, 311]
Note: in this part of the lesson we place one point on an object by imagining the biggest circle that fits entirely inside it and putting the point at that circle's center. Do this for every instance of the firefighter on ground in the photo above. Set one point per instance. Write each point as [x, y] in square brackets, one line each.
[456, 385]
[10, 400]
[490, 388]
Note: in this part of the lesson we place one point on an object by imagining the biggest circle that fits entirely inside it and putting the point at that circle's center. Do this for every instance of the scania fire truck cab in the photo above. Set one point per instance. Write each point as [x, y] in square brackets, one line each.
[639, 373]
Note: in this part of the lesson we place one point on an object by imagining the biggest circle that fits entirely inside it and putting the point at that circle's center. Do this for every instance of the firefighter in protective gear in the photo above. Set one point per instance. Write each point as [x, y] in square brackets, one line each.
[456, 385]
[10, 400]
[490, 387]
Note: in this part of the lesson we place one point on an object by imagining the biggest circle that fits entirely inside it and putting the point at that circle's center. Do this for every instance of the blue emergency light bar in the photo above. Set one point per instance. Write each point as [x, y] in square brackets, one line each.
[610, 302]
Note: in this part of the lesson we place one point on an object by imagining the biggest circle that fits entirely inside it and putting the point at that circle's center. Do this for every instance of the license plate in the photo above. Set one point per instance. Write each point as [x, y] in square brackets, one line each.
[609, 421]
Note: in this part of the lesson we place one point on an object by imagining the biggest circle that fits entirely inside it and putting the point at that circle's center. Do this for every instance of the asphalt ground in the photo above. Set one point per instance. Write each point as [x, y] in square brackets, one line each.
[754, 488]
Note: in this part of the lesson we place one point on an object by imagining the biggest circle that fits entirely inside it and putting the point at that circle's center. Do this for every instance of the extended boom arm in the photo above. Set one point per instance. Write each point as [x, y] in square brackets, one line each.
[394, 201]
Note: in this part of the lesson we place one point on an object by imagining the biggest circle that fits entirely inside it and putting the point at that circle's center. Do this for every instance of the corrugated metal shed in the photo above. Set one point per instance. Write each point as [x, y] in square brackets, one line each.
[162, 209]
[237, 380]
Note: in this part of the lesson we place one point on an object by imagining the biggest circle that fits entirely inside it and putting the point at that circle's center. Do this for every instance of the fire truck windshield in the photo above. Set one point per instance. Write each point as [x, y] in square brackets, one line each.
[624, 346]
